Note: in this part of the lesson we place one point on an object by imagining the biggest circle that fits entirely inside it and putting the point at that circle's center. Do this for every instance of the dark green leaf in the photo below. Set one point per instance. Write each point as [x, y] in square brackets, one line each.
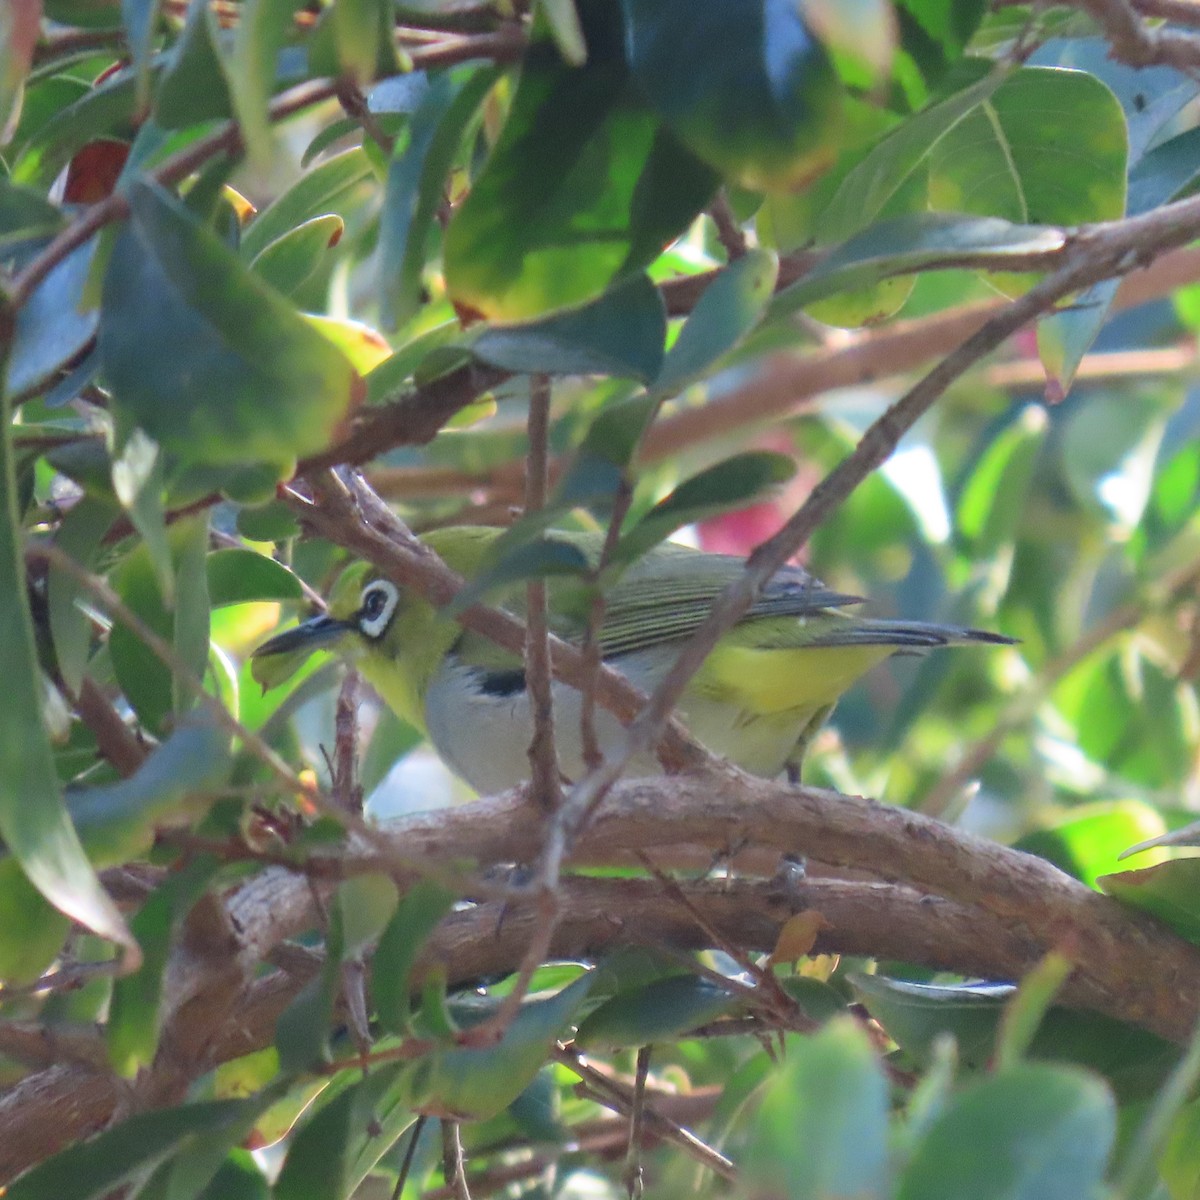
[93, 1168]
[323, 1155]
[135, 1013]
[117, 821]
[622, 334]
[822, 1128]
[33, 816]
[746, 87]
[192, 85]
[104, 110]
[1035, 1132]
[611, 189]
[910, 243]
[417, 915]
[727, 310]
[723, 487]
[415, 186]
[662, 1011]
[248, 380]
[475, 1084]
[302, 1031]
[537, 559]
[79, 536]
[53, 325]
[25, 216]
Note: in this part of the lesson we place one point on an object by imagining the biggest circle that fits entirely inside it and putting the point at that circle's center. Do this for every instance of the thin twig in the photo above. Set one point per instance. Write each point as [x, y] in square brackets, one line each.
[543, 757]
[355, 106]
[410, 1152]
[729, 233]
[631, 1174]
[347, 791]
[453, 1163]
[614, 1095]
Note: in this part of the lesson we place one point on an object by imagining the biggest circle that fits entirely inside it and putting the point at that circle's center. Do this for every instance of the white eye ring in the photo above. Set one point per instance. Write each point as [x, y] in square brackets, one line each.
[377, 607]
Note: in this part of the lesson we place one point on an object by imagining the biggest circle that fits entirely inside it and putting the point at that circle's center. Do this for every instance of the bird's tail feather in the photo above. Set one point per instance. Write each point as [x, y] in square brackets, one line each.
[915, 635]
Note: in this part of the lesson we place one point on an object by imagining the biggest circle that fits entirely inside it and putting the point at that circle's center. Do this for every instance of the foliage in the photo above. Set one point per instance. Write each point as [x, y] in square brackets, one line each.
[245, 242]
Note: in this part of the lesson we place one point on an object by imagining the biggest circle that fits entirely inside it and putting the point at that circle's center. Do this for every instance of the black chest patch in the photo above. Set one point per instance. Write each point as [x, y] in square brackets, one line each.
[501, 684]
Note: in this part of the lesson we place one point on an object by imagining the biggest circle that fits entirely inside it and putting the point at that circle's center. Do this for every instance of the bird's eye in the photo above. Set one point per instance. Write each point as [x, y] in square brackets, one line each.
[377, 606]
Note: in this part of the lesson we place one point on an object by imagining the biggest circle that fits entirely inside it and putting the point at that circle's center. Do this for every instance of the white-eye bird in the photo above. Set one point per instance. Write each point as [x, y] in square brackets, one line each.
[765, 689]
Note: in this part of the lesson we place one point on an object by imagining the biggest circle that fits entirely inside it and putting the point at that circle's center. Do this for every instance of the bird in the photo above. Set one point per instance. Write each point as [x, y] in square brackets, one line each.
[759, 698]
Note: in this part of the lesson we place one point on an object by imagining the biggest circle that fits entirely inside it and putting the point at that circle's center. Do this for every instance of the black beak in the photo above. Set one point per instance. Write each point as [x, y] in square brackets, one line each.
[317, 633]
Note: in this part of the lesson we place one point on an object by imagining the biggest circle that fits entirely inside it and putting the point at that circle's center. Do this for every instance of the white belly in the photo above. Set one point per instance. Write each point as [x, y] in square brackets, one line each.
[484, 738]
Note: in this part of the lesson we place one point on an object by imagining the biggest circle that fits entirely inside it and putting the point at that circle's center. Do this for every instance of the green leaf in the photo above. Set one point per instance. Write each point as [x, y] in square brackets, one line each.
[367, 903]
[248, 379]
[475, 1084]
[621, 334]
[25, 216]
[869, 188]
[416, 917]
[238, 576]
[140, 18]
[907, 244]
[117, 821]
[1035, 1132]
[250, 70]
[192, 87]
[745, 87]
[135, 1012]
[324, 1157]
[137, 482]
[661, 1011]
[727, 310]
[54, 325]
[79, 537]
[416, 182]
[302, 1031]
[102, 111]
[362, 35]
[33, 815]
[1090, 839]
[723, 487]
[539, 558]
[611, 189]
[92, 1169]
[915, 1014]
[1005, 157]
[993, 498]
[32, 932]
[1170, 891]
[822, 1128]
[1167, 172]
[292, 259]
[333, 188]
[1026, 1010]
